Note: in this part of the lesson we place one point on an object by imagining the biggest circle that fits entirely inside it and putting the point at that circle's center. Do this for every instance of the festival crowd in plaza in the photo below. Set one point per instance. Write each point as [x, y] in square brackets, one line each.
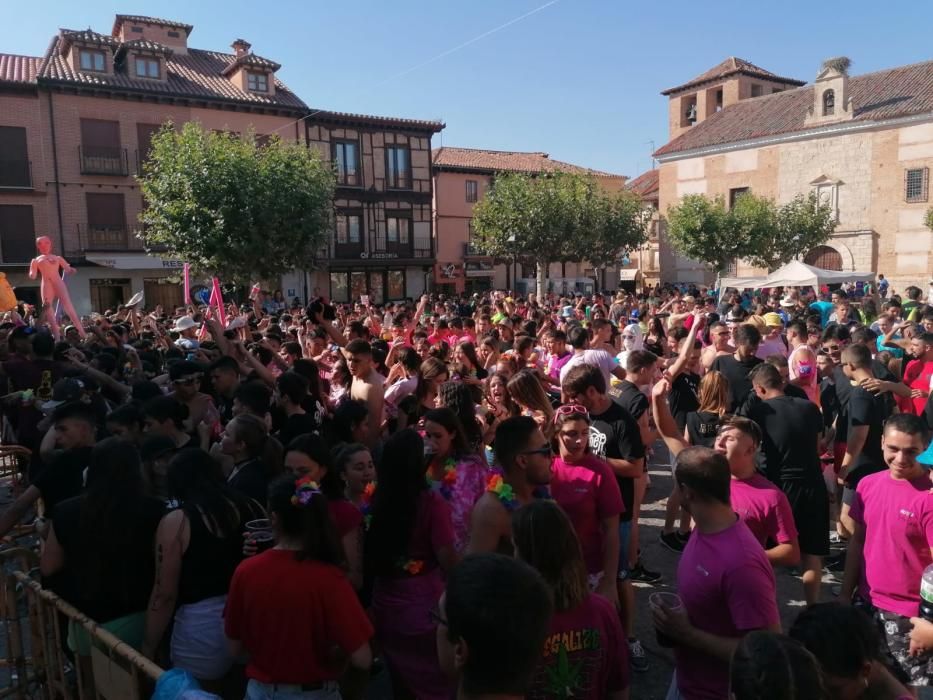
[449, 489]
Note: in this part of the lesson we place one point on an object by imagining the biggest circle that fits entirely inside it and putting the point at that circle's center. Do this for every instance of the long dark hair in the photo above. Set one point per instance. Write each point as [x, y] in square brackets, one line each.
[314, 447]
[112, 502]
[254, 434]
[448, 420]
[400, 475]
[310, 522]
[458, 397]
[195, 480]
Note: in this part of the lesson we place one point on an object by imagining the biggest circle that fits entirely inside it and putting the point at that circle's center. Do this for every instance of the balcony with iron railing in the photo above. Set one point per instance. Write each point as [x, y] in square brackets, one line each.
[15, 174]
[100, 238]
[471, 250]
[103, 160]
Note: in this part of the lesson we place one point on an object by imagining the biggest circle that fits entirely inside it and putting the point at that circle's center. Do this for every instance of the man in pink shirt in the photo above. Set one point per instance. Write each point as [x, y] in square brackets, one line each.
[760, 504]
[891, 544]
[724, 580]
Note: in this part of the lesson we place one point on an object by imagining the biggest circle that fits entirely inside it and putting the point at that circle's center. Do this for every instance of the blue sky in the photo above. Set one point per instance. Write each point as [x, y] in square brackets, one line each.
[579, 79]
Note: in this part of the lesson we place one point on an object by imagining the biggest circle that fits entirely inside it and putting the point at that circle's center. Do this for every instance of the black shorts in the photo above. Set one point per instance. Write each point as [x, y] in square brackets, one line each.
[809, 503]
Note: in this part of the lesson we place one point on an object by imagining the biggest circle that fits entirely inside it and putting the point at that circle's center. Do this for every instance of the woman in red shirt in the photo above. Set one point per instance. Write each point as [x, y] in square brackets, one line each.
[409, 544]
[292, 608]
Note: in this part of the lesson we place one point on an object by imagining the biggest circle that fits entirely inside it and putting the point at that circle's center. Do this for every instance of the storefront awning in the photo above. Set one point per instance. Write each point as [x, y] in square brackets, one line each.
[134, 261]
[628, 275]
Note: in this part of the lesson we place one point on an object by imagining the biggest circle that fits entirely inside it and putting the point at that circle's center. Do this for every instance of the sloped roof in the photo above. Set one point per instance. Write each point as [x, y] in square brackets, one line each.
[481, 160]
[142, 19]
[18, 69]
[324, 115]
[885, 94]
[147, 45]
[197, 74]
[645, 185]
[733, 66]
[251, 60]
[87, 36]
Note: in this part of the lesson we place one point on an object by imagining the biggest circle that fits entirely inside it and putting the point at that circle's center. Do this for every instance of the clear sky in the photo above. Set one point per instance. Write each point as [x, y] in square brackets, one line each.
[579, 79]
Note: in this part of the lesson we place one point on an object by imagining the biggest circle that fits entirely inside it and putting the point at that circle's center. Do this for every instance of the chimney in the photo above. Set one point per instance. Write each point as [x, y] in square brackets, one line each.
[240, 47]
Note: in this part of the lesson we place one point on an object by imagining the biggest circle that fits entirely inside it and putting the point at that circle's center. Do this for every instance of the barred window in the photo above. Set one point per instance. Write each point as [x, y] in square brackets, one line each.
[916, 184]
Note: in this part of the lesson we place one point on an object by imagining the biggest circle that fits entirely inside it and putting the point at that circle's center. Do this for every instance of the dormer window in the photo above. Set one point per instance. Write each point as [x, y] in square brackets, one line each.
[147, 67]
[829, 103]
[93, 61]
[257, 82]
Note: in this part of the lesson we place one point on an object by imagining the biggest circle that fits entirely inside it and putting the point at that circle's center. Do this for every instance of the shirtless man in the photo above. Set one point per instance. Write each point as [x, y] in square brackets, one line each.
[720, 344]
[47, 266]
[525, 457]
[367, 386]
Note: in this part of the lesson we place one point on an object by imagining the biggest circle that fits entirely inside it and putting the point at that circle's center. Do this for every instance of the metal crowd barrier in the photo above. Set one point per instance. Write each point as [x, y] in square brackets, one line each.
[34, 625]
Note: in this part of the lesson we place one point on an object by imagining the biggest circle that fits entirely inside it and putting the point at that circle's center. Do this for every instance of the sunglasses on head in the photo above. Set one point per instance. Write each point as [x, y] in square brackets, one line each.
[569, 409]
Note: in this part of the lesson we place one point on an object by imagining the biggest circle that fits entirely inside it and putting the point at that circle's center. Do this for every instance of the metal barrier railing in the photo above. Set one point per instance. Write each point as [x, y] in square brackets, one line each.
[36, 663]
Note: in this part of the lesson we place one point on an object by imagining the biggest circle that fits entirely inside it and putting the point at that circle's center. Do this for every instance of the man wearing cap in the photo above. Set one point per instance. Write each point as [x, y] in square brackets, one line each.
[772, 341]
[186, 327]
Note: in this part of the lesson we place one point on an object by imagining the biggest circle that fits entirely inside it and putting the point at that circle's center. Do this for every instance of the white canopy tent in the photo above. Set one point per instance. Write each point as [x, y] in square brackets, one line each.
[795, 274]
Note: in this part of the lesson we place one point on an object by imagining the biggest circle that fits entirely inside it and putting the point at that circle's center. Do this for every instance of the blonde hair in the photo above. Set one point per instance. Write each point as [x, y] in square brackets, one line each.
[713, 394]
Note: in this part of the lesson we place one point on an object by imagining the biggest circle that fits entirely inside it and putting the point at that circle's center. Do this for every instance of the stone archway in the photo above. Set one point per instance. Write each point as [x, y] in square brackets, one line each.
[825, 258]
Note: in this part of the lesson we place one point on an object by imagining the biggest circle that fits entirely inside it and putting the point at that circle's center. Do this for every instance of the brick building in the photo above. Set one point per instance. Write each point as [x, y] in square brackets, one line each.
[644, 266]
[383, 243]
[75, 126]
[863, 143]
[461, 177]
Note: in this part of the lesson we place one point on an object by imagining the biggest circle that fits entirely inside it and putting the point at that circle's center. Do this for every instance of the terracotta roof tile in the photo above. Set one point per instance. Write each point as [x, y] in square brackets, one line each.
[251, 60]
[88, 36]
[197, 74]
[645, 185]
[324, 115]
[141, 19]
[512, 161]
[886, 94]
[18, 69]
[733, 66]
[147, 45]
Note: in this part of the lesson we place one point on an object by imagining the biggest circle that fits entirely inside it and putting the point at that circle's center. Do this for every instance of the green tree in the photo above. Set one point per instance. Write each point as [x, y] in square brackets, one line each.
[556, 217]
[232, 207]
[701, 229]
[755, 229]
[781, 233]
[929, 218]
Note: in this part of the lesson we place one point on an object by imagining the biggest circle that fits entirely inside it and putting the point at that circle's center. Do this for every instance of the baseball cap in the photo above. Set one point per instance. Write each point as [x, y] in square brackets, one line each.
[772, 320]
[63, 391]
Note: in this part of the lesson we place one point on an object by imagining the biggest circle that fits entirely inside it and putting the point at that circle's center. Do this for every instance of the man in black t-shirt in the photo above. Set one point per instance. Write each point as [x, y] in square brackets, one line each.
[75, 429]
[791, 428]
[865, 414]
[736, 367]
[615, 438]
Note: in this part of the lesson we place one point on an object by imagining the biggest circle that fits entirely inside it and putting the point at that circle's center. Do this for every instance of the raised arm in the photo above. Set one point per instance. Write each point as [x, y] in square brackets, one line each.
[686, 349]
[664, 421]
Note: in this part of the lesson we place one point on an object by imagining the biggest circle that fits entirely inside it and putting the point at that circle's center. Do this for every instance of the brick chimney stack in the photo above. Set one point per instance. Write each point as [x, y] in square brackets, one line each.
[240, 47]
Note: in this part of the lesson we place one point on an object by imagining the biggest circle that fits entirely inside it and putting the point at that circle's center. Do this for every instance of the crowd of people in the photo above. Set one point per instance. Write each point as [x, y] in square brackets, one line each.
[450, 490]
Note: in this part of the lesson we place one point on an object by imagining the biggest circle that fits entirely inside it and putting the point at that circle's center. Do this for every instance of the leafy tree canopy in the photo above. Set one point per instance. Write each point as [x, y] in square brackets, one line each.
[233, 207]
[754, 229]
[557, 217]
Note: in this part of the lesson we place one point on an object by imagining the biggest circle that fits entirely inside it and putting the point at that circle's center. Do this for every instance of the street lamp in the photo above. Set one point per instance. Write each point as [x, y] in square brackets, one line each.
[511, 274]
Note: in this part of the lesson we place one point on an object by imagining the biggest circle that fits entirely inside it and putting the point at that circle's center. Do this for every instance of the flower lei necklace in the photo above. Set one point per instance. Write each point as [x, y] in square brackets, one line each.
[496, 485]
[445, 485]
[366, 503]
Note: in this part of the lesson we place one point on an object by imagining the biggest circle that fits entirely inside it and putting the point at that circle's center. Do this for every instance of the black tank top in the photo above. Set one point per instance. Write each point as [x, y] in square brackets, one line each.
[208, 564]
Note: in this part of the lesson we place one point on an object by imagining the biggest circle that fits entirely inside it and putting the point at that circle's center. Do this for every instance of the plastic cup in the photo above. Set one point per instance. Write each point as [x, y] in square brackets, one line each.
[668, 601]
[260, 533]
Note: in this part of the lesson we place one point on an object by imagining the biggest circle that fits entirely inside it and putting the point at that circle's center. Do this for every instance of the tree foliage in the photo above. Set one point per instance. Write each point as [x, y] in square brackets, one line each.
[235, 208]
[557, 217]
[755, 229]
[929, 218]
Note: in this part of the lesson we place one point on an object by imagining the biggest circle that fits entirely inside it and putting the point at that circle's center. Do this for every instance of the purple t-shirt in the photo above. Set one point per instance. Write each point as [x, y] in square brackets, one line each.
[728, 589]
[764, 508]
[898, 520]
[588, 493]
[584, 652]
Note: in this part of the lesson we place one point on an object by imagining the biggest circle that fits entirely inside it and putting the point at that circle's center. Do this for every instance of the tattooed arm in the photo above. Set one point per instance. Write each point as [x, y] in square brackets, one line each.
[172, 540]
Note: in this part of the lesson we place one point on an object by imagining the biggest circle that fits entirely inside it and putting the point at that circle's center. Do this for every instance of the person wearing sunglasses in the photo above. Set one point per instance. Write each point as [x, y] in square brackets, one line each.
[584, 486]
[186, 389]
[524, 456]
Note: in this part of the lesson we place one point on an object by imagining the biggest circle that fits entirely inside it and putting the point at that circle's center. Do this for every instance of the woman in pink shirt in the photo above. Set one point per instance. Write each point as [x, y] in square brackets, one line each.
[585, 649]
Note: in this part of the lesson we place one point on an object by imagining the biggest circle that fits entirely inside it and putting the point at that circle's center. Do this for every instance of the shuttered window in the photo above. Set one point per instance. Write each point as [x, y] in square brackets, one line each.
[17, 233]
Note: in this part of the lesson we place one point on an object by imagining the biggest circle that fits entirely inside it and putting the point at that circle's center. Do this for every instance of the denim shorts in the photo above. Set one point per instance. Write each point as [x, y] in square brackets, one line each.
[625, 532]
